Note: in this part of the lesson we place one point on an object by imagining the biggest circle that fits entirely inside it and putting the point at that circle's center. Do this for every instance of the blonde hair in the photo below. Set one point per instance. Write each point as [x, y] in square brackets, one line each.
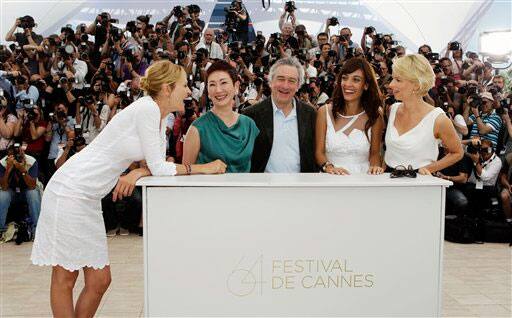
[415, 68]
[161, 72]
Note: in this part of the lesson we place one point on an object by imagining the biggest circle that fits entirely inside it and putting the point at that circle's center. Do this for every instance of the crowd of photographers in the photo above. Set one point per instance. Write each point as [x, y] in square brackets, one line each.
[58, 92]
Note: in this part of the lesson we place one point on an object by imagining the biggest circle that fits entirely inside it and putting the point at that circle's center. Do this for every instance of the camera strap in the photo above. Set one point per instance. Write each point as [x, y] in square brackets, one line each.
[263, 4]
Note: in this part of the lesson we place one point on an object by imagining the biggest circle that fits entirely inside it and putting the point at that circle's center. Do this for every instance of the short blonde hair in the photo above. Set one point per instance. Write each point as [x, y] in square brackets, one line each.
[159, 73]
[415, 68]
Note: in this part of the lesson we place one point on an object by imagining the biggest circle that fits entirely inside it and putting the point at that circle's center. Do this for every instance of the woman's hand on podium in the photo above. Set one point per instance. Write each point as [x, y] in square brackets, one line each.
[375, 170]
[424, 171]
[125, 185]
[214, 167]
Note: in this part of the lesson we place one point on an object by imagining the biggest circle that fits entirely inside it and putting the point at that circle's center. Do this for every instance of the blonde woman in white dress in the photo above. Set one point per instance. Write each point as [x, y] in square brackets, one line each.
[71, 234]
[349, 131]
[415, 128]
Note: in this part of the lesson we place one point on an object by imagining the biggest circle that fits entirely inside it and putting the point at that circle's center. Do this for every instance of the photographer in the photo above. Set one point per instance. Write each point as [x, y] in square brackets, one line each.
[25, 92]
[288, 13]
[18, 180]
[456, 49]
[197, 24]
[66, 64]
[347, 47]
[237, 22]
[92, 115]
[31, 127]
[321, 38]
[28, 36]
[482, 182]
[7, 123]
[484, 121]
[132, 63]
[303, 38]
[58, 131]
[214, 49]
[72, 147]
[456, 200]
[177, 25]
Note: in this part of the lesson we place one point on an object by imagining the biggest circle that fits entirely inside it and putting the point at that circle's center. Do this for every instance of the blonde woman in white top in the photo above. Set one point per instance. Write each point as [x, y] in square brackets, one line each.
[415, 128]
[70, 233]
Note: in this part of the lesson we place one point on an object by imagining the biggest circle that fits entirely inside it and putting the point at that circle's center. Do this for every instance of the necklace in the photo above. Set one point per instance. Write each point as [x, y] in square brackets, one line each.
[350, 116]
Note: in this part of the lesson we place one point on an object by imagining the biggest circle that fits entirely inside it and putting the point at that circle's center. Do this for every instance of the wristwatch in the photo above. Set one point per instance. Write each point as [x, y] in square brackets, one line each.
[325, 165]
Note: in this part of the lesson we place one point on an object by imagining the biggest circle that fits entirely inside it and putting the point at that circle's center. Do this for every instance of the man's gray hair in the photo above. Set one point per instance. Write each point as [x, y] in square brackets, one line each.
[289, 61]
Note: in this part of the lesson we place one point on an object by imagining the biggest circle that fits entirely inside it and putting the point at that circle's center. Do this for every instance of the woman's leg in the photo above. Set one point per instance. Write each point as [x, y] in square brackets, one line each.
[96, 284]
[61, 292]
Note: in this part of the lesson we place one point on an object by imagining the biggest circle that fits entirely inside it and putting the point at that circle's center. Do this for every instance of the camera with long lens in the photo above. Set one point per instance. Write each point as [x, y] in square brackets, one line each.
[333, 21]
[104, 19]
[454, 46]
[432, 57]
[503, 106]
[289, 6]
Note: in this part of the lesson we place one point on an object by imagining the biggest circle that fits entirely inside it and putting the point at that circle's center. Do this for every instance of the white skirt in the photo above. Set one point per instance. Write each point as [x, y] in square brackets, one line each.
[70, 232]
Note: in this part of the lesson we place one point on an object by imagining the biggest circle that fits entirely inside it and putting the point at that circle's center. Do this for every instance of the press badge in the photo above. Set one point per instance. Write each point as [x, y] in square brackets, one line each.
[479, 185]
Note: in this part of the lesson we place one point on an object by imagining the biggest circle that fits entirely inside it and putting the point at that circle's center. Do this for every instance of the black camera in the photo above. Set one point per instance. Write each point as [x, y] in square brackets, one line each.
[369, 30]
[104, 19]
[276, 39]
[178, 11]
[161, 30]
[129, 55]
[476, 102]
[66, 51]
[86, 100]
[131, 27]
[61, 115]
[454, 46]
[27, 22]
[432, 56]
[289, 6]
[333, 21]
[17, 153]
[473, 149]
[437, 69]
[332, 53]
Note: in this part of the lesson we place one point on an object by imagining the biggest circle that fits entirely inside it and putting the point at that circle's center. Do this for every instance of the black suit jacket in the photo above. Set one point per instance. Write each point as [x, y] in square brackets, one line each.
[263, 114]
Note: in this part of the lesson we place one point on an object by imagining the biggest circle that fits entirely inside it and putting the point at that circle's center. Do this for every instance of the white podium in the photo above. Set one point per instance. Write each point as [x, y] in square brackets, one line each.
[293, 245]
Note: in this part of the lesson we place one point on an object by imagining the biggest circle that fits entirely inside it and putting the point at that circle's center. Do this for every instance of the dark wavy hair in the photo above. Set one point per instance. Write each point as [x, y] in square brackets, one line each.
[371, 99]
[222, 66]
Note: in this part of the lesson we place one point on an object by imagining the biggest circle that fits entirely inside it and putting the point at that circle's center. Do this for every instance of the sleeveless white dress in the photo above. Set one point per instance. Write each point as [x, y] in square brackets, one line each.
[417, 147]
[348, 147]
[70, 231]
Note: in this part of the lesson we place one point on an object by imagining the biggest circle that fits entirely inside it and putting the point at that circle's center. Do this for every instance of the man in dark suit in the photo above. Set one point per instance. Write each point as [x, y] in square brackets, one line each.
[286, 142]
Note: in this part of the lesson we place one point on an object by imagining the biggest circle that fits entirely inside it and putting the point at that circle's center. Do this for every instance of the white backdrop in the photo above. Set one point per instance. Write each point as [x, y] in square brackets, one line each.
[413, 22]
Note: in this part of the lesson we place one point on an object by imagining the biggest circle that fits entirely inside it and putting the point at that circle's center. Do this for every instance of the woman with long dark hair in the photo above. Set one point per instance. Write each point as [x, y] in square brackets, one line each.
[349, 131]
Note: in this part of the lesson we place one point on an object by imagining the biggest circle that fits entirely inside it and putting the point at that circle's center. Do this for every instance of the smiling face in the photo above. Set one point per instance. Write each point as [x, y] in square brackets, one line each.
[402, 88]
[179, 93]
[284, 84]
[353, 85]
[221, 89]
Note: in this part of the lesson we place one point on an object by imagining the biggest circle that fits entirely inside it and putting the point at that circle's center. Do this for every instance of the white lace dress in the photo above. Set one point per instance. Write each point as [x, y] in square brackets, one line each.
[70, 231]
[348, 147]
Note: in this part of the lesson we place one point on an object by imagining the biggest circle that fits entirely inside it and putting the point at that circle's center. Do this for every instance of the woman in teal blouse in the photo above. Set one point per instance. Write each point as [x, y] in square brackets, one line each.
[221, 133]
